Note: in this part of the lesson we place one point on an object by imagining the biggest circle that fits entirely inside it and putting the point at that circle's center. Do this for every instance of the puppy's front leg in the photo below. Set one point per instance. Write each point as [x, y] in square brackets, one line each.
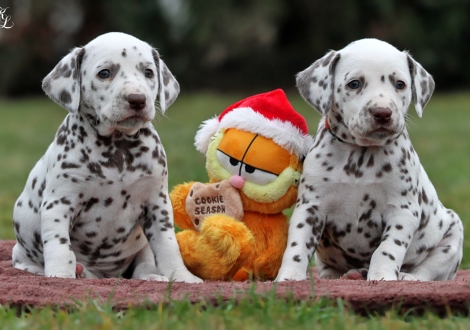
[305, 230]
[159, 229]
[59, 259]
[388, 258]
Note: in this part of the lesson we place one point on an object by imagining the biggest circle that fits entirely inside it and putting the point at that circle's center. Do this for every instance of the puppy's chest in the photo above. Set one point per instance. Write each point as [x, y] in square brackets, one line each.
[79, 148]
[106, 236]
[107, 222]
[108, 181]
[338, 162]
[332, 165]
[352, 187]
[353, 214]
[81, 158]
[354, 226]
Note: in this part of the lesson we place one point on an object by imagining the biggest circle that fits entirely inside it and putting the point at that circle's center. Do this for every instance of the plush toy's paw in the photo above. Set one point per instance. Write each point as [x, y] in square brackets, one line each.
[227, 236]
[204, 200]
[219, 250]
[241, 276]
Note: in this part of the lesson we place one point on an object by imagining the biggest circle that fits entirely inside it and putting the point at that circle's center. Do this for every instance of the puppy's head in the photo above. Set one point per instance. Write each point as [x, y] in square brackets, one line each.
[115, 81]
[366, 89]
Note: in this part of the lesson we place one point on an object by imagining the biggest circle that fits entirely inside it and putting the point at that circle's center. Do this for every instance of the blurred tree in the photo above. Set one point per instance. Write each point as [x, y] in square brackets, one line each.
[250, 45]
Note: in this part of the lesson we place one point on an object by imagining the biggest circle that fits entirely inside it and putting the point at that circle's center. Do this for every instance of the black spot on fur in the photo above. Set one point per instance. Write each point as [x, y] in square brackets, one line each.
[66, 165]
[387, 167]
[34, 182]
[95, 168]
[65, 97]
[89, 204]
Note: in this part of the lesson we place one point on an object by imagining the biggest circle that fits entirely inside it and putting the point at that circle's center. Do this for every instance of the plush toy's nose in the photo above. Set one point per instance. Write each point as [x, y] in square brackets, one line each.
[237, 181]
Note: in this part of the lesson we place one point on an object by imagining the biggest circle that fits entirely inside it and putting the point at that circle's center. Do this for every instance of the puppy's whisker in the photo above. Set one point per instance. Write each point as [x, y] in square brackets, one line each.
[409, 120]
[158, 113]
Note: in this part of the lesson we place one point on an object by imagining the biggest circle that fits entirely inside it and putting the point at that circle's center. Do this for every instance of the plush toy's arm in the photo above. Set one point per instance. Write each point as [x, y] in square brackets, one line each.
[178, 199]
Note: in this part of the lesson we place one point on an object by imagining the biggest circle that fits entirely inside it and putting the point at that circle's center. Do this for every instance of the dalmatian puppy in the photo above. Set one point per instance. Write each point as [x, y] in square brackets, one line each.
[96, 204]
[366, 207]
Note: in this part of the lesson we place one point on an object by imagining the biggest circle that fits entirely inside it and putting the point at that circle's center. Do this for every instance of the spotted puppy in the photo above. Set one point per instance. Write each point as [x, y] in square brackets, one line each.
[96, 204]
[366, 206]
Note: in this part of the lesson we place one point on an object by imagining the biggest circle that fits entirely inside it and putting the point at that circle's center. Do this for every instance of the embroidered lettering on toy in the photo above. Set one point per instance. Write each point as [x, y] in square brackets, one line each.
[205, 209]
[209, 209]
[209, 200]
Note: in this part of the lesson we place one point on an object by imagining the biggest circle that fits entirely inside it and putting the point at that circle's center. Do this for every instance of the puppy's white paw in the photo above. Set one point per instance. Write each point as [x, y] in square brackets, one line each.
[407, 277]
[188, 278]
[155, 277]
[291, 276]
[62, 275]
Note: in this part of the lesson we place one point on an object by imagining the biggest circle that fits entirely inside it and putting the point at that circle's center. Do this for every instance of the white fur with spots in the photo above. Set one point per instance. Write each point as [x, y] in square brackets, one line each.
[366, 207]
[96, 204]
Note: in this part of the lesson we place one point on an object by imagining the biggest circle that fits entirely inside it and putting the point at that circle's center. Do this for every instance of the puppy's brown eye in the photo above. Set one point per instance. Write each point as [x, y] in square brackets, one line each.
[354, 84]
[148, 73]
[104, 74]
[400, 84]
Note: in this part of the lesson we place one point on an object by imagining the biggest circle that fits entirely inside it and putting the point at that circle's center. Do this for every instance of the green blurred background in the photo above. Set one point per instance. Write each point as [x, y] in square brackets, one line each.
[235, 45]
[224, 50]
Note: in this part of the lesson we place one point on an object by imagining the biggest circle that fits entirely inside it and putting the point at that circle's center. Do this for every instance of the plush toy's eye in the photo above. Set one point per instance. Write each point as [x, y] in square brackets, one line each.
[233, 161]
[231, 164]
[248, 172]
[249, 169]
[255, 175]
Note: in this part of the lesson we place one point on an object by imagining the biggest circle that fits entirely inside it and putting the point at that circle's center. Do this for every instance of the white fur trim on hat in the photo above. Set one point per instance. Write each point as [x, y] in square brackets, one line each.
[283, 133]
[206, 131]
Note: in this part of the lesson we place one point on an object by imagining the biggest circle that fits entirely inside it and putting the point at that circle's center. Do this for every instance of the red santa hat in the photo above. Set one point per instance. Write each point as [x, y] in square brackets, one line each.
[268, 114]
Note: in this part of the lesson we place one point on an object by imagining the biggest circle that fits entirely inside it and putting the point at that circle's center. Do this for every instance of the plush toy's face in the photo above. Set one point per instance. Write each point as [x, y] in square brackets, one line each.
[266, 174]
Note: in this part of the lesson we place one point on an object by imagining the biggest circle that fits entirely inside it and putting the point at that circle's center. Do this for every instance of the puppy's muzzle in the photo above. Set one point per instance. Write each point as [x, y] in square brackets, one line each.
[136, 102]
[381, 115]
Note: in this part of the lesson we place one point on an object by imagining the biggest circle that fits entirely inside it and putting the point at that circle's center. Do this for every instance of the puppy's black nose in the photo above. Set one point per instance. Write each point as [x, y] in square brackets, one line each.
[136, 101]
[381, 115]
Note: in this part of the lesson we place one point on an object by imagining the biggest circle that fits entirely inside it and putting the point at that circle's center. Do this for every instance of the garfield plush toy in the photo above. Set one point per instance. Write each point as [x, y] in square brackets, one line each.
[234, 226]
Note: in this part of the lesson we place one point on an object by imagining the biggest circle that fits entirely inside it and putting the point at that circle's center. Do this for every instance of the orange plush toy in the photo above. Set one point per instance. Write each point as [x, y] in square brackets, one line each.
[234, 226]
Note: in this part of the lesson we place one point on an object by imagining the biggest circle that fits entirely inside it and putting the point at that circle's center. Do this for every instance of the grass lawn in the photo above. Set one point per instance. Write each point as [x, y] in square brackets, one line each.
[27, 127]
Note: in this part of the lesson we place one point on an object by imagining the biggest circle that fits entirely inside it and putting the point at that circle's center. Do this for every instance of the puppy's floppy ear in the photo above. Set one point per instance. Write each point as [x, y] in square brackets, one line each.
[63, 83]
[168, 87]
[316, 83]
[422, 85]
